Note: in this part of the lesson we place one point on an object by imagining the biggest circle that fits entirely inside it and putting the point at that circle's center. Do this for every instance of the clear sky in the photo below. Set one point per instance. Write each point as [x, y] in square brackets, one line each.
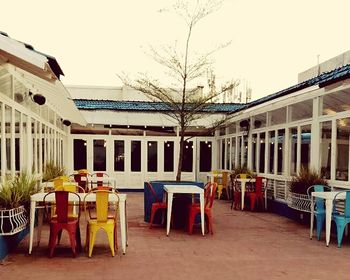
[271, 40]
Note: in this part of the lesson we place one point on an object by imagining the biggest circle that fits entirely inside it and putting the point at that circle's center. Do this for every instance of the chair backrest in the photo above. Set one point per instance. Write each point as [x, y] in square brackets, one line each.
[99, 183]
[61, 204]
[153, 192]
[57, 183]
[225, 178]
[258, 184]
[243, 176]
[82, 180]
[102, 205]
[317, 188]
[209, 194]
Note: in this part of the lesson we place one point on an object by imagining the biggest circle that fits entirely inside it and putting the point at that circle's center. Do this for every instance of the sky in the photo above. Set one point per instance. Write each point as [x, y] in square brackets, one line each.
[271, 41]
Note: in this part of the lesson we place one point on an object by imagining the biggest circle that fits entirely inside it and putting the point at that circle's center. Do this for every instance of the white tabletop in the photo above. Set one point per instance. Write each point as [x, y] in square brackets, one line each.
[183, 189]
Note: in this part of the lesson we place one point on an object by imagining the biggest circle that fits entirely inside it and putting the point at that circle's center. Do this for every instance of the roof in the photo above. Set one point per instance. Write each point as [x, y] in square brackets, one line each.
[89, 104]
[56, 69]
[322, 80]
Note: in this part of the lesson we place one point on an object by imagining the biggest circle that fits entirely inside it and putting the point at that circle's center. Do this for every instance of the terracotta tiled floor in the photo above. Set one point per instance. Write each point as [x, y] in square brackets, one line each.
[245, 245]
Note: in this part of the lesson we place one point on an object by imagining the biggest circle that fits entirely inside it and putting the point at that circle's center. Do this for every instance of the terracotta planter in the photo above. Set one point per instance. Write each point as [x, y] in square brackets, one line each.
[13, 220]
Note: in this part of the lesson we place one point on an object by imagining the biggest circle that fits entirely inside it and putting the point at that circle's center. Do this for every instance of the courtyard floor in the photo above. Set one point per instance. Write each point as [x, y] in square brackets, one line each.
[245, 245]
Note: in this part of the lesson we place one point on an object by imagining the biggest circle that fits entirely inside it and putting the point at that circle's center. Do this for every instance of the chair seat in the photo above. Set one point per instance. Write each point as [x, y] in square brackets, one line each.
[159, 204]
[71, 220]
[95, 222]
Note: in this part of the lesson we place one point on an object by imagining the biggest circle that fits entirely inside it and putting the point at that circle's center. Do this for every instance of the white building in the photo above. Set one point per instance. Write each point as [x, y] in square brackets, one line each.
[116, 130]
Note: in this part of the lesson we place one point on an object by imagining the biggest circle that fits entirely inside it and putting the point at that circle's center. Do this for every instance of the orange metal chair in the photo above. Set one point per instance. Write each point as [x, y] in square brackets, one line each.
[62, 220]
[101, 220]
[257, 196]
[156, 205]
[194, 209]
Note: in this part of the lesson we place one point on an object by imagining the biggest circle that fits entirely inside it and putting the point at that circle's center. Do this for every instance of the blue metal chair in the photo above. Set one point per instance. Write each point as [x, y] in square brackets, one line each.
[320, 212]
[342, 220]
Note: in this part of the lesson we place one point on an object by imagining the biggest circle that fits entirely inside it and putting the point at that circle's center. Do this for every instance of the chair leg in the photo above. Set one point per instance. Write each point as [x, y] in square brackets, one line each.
[52, 241]
[153, 212]
[340, 232]
[110, 234]
[91, 241]
[319, 226]
[73, 243]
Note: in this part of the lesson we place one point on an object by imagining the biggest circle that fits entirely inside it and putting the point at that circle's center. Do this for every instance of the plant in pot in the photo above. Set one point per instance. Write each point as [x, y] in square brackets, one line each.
[15, 201]
[52, 171]
[298, 197]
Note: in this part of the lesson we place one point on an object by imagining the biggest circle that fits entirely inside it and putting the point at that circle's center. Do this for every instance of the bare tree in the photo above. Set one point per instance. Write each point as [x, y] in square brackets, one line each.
[184, 100]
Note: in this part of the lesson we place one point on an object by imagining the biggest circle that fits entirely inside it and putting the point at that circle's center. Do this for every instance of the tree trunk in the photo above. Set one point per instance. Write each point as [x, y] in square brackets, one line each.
[179, 166]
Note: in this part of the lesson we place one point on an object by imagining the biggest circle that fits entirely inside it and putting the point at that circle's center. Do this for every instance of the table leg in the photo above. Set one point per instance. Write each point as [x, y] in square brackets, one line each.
[201, 201]
[312, 216]
[170, 206]
[122, 218]
[329, 206]
[40, 224]
[242, 194]
[31, 225]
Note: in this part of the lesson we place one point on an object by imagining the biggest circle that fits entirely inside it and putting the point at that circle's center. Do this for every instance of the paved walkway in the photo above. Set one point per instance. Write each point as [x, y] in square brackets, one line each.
[245, 245]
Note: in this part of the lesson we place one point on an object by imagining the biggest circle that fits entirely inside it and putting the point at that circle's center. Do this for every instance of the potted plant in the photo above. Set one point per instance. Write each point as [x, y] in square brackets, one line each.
[298, 198]
[52, 171]
[15, 201]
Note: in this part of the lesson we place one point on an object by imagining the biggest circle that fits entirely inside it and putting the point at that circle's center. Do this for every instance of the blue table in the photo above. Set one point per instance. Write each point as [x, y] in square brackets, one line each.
[178, 203]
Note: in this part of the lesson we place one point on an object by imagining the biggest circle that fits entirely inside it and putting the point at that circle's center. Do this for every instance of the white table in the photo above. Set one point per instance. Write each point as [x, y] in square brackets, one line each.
[211, 176]
[192, 189]
[328, 197]
[243, 182]
[39, 197]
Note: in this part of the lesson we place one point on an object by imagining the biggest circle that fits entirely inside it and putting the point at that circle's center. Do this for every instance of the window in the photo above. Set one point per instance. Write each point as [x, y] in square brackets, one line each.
[152, 153]
[254, 146]
[79, 146]
[343, 133]
[17, 139]
[228, 151]
[223, 154]
[99, 155]
[187, 160]
[335, 102]
[205, 156]
[293, 138]
[301, 110]
[8, 120]
[280, 151]
[272, 142]
[233, 152]
[135, 156]
[119, 155]
[305, 146]
[168, 156]
[259, 121]
[325, 149]
[278, 116]
[262, 153]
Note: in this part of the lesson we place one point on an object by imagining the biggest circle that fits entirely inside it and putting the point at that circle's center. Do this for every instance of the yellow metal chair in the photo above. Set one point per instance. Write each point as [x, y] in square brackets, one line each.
[101, 220]
[223, 184]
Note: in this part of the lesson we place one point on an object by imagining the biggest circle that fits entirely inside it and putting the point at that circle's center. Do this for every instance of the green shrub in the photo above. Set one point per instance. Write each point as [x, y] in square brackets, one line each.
[52, 171]
[17, 191]
[304, 179]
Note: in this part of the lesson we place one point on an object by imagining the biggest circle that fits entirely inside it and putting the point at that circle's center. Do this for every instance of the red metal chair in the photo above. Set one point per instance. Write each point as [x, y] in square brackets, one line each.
[257, 196]
[156, 205]
[99, 183]
[62, 220]
[82, 180]
[194, 209]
